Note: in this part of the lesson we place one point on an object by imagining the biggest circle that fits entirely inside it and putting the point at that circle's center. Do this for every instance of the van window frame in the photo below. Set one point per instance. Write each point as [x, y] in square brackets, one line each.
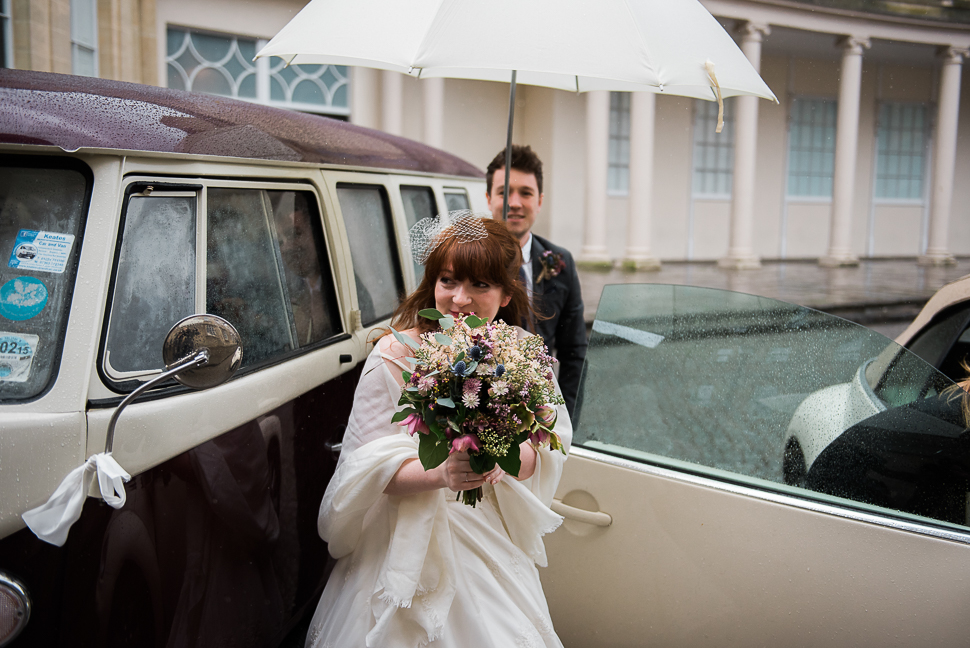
[135, 185]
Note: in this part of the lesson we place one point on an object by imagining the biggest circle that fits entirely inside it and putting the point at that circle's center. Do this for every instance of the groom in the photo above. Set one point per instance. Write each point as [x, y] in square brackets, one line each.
[549, 270]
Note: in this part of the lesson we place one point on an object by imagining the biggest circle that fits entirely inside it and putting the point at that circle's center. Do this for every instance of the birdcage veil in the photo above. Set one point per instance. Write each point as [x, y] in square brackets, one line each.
[428, 233]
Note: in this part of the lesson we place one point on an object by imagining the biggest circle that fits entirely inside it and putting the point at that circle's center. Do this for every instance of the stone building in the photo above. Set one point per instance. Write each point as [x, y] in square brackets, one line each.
[867, 153]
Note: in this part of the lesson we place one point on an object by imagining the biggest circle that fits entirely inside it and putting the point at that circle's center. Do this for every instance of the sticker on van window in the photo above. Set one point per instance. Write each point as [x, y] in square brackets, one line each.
[16, 355]
[22, 298]
[44, 251]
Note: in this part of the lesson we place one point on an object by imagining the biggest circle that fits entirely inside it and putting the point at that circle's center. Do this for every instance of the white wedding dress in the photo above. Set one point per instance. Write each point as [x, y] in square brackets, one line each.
[425, 569]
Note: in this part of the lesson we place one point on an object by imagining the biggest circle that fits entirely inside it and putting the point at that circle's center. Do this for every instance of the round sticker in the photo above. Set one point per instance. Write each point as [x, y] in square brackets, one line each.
[22, 298]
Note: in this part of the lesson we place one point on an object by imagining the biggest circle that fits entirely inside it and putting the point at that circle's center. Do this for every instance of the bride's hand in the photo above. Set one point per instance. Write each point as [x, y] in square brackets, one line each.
[458, 475]
[494, 475]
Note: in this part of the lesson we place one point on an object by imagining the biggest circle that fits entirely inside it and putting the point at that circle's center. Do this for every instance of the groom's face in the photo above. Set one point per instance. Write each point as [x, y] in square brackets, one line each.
[525, 201]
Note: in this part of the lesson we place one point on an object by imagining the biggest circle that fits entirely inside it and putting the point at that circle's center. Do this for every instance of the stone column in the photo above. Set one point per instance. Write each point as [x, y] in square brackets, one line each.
[434, 111]
[638, 255]
[364, 90]
[740, 254]
[594, 251]
[846, 148]
[392, 100]
[944, 159]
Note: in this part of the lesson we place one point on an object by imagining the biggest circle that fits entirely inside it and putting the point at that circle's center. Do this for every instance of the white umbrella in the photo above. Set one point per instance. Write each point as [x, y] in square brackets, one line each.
[664, 46]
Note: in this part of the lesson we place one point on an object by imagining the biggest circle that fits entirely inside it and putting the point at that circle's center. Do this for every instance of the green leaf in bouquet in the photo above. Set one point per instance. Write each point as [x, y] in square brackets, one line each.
[403, 414]
[406, 375]
[446, 322]
[460, 356]
[411, 389]
[443, 339]
[431, 314]
[436, 430]
[511, 462]
[405, 340]
[446, 402]
[453, 425]
[481, 463]
[473, 321]
[470, 368]
[432, 451]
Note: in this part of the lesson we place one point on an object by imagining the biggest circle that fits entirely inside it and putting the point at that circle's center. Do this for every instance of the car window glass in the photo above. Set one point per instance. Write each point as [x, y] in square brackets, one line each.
[266, 272]
[307, 283]
[772, 395]
[243, 282]
[456, 199]
[155, 281]
[935, 341]
[418, 203]
[41, 211]
[373, 247]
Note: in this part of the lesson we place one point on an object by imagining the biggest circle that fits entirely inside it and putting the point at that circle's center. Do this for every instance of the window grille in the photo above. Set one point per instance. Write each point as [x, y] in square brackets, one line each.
[902, 135]
[618, 177]
[6, 35]
[84, 37]
[811, 148]
[713, 151]
[223, 64]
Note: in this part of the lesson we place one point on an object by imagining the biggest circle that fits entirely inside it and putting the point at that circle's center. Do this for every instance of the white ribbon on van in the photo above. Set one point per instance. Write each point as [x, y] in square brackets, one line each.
[51, 521]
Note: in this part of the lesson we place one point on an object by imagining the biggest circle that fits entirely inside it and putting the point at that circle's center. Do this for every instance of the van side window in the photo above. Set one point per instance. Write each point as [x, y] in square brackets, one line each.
[42, 206]
[266, 272]
[456, 199]
[418, 203]
[155, 284]
[373, 247]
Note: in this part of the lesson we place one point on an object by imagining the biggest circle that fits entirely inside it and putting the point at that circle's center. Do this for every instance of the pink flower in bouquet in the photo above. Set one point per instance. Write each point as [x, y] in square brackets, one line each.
[546, 415]
[539, 437]
[524, 417]
[414, 423]
[464, 443]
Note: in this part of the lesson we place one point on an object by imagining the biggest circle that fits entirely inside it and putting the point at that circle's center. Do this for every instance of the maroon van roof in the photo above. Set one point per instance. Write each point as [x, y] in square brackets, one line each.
[73, 112]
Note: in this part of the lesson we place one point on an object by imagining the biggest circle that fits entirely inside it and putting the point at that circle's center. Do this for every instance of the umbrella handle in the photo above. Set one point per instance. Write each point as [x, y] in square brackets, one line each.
[508, 150]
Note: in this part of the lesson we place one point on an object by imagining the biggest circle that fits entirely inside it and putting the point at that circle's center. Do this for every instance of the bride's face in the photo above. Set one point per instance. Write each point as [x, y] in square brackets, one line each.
[454, 297]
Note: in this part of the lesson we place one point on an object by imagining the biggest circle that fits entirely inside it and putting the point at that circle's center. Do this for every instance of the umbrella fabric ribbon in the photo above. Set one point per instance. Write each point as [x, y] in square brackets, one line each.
[709, 66]
[52, 520]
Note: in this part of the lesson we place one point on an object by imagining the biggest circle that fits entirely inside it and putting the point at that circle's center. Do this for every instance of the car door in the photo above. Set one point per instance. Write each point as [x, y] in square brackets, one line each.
[680, 528]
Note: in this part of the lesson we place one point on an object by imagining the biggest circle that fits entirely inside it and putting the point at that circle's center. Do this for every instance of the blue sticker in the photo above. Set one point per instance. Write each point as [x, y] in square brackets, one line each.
[22, 298]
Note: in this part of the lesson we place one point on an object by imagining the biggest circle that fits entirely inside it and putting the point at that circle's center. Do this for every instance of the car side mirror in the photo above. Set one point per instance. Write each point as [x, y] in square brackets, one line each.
[200, 351]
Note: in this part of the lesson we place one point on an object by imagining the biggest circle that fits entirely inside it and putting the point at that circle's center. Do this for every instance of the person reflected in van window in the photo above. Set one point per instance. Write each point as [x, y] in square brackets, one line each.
[414, 566]
[302, 264]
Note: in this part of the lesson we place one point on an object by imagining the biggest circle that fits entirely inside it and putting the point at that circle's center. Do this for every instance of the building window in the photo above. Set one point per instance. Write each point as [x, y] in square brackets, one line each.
[901, 158]
[223, 64]
[6, 35]
[811, 148]
[618, 177]
[713, 151]
[84, 37]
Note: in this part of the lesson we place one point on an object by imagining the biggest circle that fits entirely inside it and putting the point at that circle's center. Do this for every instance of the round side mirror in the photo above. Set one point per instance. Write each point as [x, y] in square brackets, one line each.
[198, 332]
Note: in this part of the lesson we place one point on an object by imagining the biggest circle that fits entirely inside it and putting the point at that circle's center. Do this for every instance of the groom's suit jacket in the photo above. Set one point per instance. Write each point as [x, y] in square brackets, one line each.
[559, 298]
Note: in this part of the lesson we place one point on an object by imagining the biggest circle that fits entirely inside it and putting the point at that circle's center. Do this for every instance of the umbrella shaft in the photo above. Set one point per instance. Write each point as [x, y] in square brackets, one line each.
[508, 150]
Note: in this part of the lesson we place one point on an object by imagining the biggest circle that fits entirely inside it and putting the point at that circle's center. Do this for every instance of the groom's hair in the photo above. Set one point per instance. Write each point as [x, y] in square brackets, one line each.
[524, 159]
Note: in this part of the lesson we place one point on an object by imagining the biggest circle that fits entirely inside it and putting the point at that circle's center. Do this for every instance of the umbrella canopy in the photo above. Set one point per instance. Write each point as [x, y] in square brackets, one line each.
[662, 46]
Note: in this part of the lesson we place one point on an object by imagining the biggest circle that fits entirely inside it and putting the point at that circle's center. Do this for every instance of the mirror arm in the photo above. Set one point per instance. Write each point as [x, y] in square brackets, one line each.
[199, 359]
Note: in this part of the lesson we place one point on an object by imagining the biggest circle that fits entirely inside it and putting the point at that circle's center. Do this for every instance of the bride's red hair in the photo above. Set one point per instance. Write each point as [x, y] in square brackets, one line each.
[495, 259]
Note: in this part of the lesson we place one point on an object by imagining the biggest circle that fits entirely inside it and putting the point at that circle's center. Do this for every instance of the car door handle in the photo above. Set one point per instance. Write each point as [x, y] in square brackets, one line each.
[596, 518]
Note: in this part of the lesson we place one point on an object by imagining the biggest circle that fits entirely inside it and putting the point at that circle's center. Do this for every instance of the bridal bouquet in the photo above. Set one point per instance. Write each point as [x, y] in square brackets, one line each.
[476, 387]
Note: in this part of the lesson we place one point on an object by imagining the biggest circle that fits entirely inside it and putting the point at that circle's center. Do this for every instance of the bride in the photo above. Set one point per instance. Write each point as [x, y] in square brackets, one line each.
[416, 567]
